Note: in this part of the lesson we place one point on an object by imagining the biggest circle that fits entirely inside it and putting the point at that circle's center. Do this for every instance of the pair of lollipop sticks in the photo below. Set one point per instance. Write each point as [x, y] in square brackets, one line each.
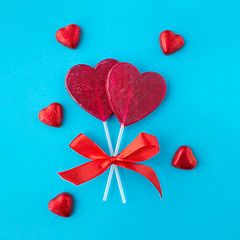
[113, 167]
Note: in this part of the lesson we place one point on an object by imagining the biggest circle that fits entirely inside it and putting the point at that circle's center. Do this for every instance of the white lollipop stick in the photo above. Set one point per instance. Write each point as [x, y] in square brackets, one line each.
[113, 167]
[108, 138]
[111, 153]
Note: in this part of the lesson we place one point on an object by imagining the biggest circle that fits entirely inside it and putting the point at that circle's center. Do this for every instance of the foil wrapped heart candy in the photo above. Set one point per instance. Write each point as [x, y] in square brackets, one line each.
[52, 115]
[69, 36]
[62, 204]
[170, 42]
[184, 158]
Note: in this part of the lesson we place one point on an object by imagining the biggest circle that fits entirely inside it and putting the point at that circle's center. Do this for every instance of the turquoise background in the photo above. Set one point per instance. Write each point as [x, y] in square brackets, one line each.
[201, 110]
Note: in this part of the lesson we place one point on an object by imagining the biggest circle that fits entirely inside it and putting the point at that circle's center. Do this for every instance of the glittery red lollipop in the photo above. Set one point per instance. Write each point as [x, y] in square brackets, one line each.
[86, 85]
[132, 96]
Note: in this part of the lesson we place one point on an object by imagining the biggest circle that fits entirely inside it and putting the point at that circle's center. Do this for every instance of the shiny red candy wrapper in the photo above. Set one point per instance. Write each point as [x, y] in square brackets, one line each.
[170, 42]
[52, 115]
[69, 36]
[62, 204]
[184, 158]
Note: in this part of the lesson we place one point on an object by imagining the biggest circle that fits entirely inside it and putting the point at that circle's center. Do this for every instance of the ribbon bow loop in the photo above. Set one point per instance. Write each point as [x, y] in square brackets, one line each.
[87, 148]
[144, 147]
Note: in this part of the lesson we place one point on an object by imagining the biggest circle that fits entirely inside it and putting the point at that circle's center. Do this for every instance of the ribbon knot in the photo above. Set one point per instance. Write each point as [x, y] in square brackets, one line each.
[112, 160]
[143, 147]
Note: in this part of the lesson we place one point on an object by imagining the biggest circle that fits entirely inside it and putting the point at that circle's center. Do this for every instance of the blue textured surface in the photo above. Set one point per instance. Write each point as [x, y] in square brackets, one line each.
[201, 109]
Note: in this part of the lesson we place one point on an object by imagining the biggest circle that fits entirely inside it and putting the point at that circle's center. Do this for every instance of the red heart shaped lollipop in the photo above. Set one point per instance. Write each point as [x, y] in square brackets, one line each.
[170, 42]
[52, 115]
[132, 95]
[62, 204]
[69, 36]
[184, 158]
[86, 85]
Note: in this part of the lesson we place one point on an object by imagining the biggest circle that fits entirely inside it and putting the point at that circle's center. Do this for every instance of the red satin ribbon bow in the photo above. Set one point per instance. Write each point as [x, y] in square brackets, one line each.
[144, 147]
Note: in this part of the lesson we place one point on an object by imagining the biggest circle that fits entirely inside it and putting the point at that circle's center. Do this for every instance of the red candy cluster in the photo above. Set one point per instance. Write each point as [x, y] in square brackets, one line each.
[113, 87]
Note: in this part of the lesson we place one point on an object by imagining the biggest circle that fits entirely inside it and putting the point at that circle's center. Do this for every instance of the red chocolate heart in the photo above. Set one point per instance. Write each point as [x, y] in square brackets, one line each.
[87, 86]
[52, 115]
[62, 204]
[184, 158]
[170, 42]
[69, 36]
[132, 96]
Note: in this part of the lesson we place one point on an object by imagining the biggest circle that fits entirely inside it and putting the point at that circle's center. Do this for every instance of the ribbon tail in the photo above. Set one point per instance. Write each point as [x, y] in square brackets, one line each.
[144, 170]
[85, 172]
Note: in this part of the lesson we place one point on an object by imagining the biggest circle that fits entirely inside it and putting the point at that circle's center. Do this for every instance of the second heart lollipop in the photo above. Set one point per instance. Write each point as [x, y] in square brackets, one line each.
[132, 96]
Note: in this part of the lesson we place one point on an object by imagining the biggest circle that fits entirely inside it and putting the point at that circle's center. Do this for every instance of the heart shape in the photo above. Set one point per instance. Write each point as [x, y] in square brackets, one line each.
[184, 158]
[86, 85]
[69, 36]
[52, 115]
[62, 204]
[132, 96]
[170, 42]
